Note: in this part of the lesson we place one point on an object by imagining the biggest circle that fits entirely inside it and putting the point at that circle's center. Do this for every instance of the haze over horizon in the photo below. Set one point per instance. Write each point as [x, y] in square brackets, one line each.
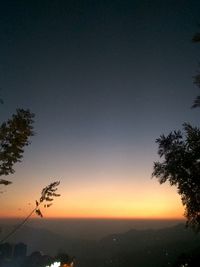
[88, 229]
[105, 79]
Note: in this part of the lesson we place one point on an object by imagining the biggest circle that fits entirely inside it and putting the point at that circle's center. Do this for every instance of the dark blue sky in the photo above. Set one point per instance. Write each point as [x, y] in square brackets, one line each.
[104, 78]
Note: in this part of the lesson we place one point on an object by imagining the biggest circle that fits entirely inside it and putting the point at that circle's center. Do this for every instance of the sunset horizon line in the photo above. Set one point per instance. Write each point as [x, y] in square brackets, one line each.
[96, 218]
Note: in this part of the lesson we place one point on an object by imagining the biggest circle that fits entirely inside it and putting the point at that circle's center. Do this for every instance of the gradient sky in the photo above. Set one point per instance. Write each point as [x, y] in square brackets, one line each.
[105, 79]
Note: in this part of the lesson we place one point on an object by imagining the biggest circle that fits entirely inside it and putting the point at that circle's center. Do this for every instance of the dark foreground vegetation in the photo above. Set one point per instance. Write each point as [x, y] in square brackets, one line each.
[175, 246]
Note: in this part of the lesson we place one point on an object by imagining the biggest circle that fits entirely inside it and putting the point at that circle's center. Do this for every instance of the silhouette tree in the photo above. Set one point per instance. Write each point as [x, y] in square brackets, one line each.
[14, 136]
[180, 152]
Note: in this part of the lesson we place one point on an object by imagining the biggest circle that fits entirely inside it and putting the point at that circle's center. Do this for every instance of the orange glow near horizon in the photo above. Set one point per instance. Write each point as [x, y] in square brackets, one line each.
[107, 203]
[104, 196]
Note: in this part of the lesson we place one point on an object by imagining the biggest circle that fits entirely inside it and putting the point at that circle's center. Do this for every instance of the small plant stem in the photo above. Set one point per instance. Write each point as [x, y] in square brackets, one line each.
[19, 225]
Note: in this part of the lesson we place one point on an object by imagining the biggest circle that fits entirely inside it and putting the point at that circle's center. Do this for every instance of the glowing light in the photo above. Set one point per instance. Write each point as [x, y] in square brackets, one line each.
[55, 264]
[58, 264]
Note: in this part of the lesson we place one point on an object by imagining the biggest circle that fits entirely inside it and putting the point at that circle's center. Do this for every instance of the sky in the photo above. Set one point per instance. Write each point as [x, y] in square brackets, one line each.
[104, 79]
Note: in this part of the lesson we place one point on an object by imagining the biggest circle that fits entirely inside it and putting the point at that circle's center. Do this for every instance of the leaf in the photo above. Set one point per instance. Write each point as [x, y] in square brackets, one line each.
[196, 102]
[56, 195]
[48, 199]
[38, 212]
[5, 182]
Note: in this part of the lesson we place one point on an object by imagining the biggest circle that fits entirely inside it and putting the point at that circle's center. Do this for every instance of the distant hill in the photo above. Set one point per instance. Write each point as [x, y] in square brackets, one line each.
[134, 248]
[149, 248]
[40, 239]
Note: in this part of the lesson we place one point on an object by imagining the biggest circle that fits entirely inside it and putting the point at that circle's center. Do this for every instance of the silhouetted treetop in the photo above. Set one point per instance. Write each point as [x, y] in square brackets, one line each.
[14, 136]
[180, 152]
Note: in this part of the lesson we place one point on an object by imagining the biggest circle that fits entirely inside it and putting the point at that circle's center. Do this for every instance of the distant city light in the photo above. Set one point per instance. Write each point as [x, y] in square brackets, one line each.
[58, 264]
[55, 264]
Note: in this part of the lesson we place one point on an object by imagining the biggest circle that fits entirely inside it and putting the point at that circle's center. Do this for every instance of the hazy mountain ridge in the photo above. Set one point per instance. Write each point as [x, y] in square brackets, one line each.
[41, 239]
[171, 233]
[149, 247]
[140, 248]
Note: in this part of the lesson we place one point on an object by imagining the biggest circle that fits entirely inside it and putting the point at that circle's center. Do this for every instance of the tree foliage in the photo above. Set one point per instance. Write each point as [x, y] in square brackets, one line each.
[196, 78]
[180, 152]
[14, 136]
